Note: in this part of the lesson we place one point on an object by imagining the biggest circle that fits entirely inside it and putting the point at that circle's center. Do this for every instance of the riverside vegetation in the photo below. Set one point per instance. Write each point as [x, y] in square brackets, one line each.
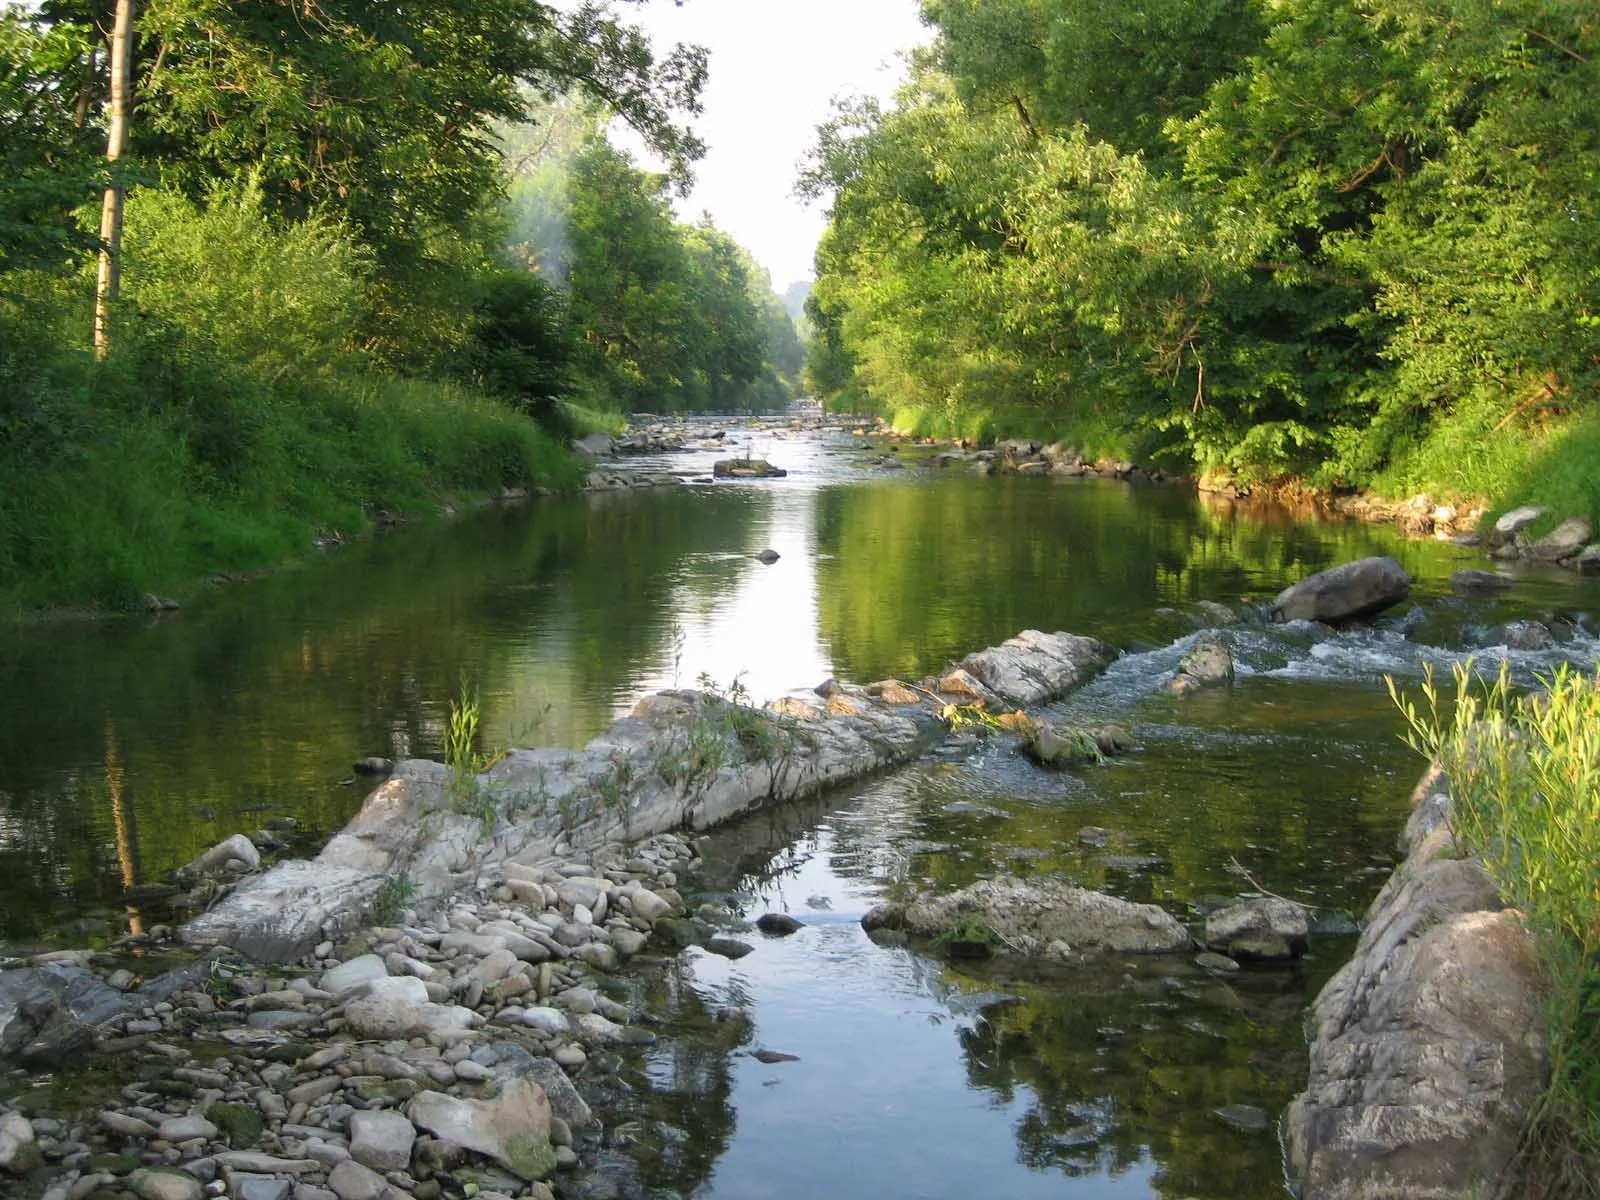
[1353, 244]
[1524, 774]
[337, 307]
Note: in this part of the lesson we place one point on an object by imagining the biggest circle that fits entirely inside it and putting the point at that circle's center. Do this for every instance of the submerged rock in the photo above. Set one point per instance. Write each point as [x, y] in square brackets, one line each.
[1473, 582]
[1345, 593]
[49, 1014]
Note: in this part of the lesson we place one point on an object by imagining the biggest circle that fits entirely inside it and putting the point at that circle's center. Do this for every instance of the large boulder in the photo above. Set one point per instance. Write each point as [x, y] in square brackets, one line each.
[1428, 1046]
[1036, 916]
[49, 1014]
[1345, 593]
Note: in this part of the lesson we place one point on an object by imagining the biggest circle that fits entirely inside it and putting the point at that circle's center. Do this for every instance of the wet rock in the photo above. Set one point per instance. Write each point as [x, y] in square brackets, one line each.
[1523, 635]
[1031, 916]
[1263, 927]
[728, 947]
[1244, 1116]
[372, 765]
[773, 1056]
[1479, 583]
[1588, 561]
[1208, 664]
[1217, 964]
[768, 557]
[1345, 593]
[1063, 746]
[49, 1014]
[778, 924]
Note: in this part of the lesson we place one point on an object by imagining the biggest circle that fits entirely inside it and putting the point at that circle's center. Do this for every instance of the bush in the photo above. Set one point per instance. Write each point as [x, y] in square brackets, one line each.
[1524, 774]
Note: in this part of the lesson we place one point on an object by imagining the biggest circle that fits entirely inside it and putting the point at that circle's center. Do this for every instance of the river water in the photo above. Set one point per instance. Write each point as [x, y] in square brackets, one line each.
[127, 747]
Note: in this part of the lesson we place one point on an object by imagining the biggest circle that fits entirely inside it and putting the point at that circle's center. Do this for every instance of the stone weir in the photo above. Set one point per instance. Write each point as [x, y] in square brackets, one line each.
[1428, 1046]
[679, 760]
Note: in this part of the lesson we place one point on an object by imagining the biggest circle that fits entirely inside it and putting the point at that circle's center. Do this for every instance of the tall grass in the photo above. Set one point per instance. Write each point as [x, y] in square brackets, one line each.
[1524, 774]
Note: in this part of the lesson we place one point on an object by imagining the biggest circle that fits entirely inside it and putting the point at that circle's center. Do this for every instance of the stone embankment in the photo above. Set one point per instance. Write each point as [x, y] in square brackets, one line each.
[1428, 1045]
[405, 1015]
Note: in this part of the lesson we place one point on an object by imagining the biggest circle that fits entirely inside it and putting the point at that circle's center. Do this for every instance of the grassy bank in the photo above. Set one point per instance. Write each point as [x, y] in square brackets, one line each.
[1524, 775]
[169, 464]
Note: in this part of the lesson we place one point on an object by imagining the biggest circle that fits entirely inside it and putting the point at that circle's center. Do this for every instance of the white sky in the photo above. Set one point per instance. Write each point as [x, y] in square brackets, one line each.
[776, 66]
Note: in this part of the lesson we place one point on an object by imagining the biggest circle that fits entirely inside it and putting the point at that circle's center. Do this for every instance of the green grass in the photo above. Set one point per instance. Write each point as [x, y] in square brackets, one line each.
[1524, 775]
[150, 473]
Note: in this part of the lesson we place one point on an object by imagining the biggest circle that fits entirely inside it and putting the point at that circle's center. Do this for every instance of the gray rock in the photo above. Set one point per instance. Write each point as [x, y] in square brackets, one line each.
[49, 1014]
[352, 1181]
[1028, 916]
[1518, 519]
[381, 1139]
[1264, 927]
[1428, 1046]
[1244, 1116]
[1345, 593]
[778, 924]
[1588, 561]
[1217, 964]
[1209, 663]
[398, 1007]
[261, 1187]
[1035, 667]
[183, 1129]
[233, 849]
[512, 1127]
[1563, 542]
[648, 906]
[768, 557]
[358, 972]
[728, 947]
[161, 1183]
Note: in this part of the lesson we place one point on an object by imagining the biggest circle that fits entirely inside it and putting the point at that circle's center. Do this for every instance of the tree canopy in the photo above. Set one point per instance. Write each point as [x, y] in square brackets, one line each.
[1337, 239]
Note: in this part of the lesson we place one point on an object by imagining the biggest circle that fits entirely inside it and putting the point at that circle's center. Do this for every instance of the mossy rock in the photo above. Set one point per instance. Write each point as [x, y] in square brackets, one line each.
[240, 1124]
[677, 931]
[530, 1155]
[388, 1091]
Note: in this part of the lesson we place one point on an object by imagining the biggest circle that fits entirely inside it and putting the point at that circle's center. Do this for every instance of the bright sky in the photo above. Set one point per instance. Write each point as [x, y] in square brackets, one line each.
[776, 66]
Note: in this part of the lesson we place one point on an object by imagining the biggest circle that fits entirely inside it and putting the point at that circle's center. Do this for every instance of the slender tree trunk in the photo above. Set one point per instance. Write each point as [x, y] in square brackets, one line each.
[109, 276]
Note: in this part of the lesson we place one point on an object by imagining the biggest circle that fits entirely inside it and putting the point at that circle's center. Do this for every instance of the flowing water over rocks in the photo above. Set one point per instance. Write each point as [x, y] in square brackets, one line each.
[681, 1048]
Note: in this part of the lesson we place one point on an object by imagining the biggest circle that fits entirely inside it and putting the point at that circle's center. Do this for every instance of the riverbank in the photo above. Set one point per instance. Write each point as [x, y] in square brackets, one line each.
[428, 1054]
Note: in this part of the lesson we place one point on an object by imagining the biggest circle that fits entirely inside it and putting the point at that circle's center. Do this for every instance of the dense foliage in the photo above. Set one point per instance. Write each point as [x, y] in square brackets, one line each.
[326, 309]
[1357, 242]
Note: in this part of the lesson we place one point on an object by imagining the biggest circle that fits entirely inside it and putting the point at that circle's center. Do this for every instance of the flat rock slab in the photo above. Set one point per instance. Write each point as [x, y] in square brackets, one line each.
[1036, 667]
[1037, 916]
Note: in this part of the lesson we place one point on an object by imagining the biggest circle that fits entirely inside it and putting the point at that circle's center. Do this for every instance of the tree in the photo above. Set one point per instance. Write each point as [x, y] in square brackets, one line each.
[109, 275]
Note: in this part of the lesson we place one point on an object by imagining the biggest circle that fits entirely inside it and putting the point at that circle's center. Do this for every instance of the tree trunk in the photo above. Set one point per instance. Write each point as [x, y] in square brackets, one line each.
[109, 276]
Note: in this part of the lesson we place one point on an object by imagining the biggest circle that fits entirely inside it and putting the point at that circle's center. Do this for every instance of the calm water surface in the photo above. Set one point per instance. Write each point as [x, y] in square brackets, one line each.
[128, 747]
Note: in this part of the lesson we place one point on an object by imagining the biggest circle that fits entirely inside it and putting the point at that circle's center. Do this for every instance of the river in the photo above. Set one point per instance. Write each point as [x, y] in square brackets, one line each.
[128, 746]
